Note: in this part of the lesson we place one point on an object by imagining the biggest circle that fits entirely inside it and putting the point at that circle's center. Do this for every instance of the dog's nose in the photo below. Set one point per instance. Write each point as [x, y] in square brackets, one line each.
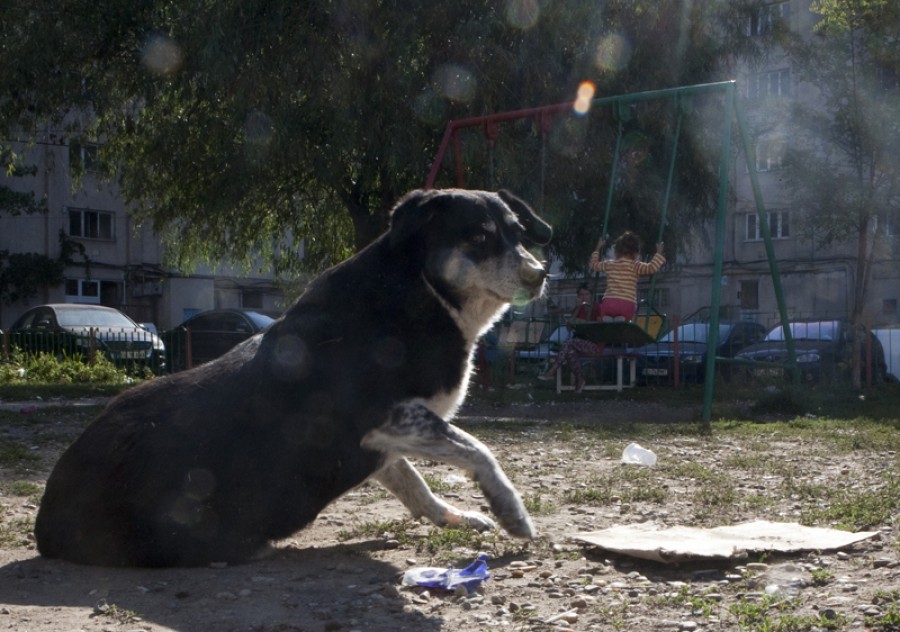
[533, 272]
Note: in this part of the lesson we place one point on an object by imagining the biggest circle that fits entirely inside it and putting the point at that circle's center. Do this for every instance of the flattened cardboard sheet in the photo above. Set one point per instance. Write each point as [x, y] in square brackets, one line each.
[674, 544]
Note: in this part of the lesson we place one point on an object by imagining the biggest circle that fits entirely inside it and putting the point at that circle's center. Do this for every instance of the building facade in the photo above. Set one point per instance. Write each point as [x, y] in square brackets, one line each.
[818, 281]
[122, 264]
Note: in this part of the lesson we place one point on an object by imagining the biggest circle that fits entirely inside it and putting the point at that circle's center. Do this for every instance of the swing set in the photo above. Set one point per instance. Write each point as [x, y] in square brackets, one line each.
[648, 324]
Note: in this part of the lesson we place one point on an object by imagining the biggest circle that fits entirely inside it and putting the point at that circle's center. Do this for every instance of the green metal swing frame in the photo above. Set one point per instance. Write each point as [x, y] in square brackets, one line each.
[733, 118]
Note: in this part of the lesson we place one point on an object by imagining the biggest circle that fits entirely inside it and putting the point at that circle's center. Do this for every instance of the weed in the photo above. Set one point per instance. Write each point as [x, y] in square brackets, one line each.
[889, 619]
[821, 576]
[15, 532]
[538, 505]
[122, 616]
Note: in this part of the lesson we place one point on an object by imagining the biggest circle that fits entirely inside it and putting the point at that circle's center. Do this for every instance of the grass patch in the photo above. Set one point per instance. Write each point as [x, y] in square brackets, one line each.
[390, 530]
[775, 614]
[25, 489]
[853, 510]
[16, 456]
[626, 484]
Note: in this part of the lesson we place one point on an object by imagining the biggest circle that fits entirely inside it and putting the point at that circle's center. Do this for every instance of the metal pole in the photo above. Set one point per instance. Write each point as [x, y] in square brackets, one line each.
[712, 341]
[767, 240]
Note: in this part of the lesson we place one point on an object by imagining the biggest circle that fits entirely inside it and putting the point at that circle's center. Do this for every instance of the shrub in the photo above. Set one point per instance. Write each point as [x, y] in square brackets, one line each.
[45, 368]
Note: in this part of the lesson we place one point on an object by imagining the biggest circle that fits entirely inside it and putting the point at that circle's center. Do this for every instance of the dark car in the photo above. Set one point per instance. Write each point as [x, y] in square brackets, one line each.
[823, 350]
[656, 361]
[208, 335]
[72, 329]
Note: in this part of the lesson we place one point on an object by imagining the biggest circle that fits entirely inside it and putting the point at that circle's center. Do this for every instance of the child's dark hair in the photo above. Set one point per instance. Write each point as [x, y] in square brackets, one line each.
[627, 245]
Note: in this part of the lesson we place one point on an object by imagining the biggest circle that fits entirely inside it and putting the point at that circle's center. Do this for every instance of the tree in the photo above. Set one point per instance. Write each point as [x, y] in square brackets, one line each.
[843, 167]
[23, 275]
[246, 127]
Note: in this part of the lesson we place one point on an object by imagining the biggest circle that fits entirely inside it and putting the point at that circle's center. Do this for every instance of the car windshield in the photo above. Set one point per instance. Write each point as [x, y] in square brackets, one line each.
[560, 334]
[92, 318]
[695, 332]
[260, 320]
[826, 330]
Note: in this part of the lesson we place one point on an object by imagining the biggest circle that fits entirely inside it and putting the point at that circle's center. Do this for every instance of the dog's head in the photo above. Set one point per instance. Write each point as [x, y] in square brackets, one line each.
[473, 245]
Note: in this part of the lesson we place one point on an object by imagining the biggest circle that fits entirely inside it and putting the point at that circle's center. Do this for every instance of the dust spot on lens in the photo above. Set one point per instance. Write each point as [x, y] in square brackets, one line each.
[613, 52]
[291, 360]
[389, 353]
[199, 483]
[161, 56]
[455, 82]
[522, 14]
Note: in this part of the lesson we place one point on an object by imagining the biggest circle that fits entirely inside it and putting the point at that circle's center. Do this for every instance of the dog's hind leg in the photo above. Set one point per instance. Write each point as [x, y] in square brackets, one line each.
[404, 481]
[414, 430]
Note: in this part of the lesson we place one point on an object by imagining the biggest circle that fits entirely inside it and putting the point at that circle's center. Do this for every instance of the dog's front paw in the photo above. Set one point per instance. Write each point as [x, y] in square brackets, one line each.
[520, 527]
[512, 516]
[474, 519]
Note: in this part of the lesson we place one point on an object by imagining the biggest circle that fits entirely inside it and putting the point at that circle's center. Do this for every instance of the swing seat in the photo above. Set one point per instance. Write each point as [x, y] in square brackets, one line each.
[615, 333]
[646, 327]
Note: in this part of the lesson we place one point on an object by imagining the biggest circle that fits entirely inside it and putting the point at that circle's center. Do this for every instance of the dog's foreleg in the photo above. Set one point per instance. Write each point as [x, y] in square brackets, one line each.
[414, 430]
[404, 481]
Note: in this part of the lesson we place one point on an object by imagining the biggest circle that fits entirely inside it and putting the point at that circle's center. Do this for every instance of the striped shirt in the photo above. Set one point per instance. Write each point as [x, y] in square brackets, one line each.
[622, 275]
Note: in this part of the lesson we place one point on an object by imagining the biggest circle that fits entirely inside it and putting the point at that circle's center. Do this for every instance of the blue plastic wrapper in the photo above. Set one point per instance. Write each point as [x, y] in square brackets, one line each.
[449, 578]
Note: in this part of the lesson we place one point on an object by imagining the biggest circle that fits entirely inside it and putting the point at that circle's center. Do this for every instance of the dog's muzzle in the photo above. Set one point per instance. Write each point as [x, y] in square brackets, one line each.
[533, 275]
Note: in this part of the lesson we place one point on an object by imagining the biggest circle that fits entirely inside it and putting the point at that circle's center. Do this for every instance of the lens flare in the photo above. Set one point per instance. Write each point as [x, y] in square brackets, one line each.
[583, 100]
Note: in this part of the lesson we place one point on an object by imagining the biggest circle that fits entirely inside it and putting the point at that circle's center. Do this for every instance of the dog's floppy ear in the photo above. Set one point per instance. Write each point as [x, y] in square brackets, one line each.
[410, 214]
[536, 229]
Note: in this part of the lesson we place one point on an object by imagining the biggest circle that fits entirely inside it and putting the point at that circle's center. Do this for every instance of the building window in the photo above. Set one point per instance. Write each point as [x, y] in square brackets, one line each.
[770, 153]
[887, 77]
[661, 298]
[252, 299]
[779, 225]
[91, 224]
[82, 291]
[771, 84]
[892, 225]
[83, 157]
[749, 295]
[764, 20]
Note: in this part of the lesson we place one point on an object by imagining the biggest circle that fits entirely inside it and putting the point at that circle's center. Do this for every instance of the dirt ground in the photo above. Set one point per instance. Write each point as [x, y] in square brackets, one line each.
[343, 573]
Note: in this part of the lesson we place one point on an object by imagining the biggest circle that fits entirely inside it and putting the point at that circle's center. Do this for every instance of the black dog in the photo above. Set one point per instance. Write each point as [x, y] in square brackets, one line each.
[211, 464]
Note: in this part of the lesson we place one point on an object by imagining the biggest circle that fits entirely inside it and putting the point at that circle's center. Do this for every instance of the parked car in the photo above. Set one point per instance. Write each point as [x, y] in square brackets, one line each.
[823, 350]
[656, 361]
[211, 334]
[67, 328]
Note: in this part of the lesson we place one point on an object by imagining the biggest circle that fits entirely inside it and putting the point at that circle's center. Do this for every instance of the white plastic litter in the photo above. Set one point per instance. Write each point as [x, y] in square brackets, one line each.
[448, 578]
[637, 455]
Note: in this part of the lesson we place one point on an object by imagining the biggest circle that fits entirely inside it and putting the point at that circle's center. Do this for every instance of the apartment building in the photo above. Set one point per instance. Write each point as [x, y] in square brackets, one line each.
[817, 281]
[123, 263]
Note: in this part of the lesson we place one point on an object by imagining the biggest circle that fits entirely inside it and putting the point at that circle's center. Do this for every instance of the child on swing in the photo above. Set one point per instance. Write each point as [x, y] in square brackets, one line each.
[620, 299]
